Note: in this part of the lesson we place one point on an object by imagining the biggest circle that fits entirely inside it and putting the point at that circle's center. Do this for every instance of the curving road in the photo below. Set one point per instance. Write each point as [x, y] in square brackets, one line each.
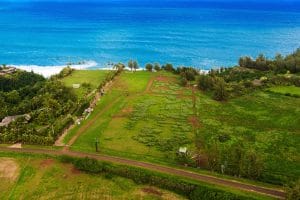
[164, 169]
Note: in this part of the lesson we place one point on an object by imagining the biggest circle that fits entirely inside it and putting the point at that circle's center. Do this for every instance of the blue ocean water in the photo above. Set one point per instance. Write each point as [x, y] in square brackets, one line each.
[191, 33]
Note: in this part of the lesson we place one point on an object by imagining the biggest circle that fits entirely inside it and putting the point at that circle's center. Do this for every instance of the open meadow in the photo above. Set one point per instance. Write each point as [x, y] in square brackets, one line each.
[149, 116]
[88, 80]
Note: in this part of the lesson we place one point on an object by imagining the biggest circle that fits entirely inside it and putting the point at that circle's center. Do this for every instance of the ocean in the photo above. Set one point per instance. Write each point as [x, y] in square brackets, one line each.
[46, 35]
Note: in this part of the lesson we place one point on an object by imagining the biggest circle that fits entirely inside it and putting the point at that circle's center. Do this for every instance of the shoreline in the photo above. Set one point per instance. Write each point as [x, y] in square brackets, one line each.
[49, 70]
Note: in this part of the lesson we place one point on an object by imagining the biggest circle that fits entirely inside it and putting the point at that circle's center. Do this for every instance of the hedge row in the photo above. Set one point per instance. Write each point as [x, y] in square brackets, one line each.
[191, 190]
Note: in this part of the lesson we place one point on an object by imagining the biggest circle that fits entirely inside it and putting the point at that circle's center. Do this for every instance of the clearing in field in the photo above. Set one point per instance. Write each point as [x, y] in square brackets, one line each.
[291, 90]
[87, 80]
[42, 178]
[149, 116]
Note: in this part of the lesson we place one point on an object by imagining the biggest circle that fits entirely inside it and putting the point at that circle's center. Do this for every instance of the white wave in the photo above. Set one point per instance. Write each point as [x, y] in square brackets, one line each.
[48, 71]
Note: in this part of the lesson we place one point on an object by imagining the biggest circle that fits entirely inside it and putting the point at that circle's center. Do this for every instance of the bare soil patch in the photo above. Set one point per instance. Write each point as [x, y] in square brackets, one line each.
[193, 120]
[16, 146]
[165, 79]
[150, 190]
[124, 113]
[47, 163]
[75, 171]
[9, 169]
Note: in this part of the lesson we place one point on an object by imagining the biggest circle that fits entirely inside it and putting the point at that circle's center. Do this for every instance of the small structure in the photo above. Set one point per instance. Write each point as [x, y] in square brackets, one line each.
[76, 86]
[88, 110]
[257, 82]
[182, 150]
[102, 92]
[9, 119]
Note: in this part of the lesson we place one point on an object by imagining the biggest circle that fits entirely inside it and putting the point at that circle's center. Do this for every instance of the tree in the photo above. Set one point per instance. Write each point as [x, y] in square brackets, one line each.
[220, 92]
[13, 97]
[183, 81]
[279, 64]
[189, 74]
[135, 65]
[169, 67]
[205, 82]
[246, 62]
[261, 63]
[149, 67]
[252, 165]
[157, 67]
[293, 191]
[130, 65]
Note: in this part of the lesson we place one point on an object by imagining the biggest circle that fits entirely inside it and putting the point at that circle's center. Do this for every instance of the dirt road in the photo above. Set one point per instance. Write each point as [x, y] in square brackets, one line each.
[164, 169]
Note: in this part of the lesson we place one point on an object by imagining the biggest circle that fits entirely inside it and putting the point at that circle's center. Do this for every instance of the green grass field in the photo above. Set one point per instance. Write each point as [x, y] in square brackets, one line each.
[91, 77]
[148, 116]
[293, 90]
[33, 177]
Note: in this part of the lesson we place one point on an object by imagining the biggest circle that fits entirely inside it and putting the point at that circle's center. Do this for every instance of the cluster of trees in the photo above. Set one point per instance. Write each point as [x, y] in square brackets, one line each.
[133, 65]
[150, 67]
[280, 64]
[234, 159]
[48, 102]
[19, 80]
[63, 73]
[215, 84]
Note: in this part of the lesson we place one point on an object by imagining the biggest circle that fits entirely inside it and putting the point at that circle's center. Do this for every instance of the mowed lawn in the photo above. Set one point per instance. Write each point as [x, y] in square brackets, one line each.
[46, 178]
[91, 77]
[149, 116]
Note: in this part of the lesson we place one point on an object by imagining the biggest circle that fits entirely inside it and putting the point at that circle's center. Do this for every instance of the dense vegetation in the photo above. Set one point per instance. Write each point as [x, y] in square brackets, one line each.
[279, 65]
[252, 75]
[49, 105]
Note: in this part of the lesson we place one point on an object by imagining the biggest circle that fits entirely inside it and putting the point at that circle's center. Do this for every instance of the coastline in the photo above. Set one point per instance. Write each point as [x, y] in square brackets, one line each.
[49, 70]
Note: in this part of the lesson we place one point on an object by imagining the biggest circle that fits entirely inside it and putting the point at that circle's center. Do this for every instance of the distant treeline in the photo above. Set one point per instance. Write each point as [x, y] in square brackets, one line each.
[280, 64]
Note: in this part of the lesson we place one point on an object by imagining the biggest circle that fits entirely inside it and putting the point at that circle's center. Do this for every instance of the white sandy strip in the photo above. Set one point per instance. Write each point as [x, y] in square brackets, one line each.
[47, 71]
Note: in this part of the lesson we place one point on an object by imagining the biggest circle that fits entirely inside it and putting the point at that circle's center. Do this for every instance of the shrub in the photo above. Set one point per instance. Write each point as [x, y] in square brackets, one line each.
[89, 165]
[178, 185]
[220, 92]
[183, 81]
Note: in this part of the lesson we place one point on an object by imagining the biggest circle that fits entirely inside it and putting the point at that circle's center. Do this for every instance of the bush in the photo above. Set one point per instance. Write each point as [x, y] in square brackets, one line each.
[183, 81]
[89, 165]
[220, 92]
